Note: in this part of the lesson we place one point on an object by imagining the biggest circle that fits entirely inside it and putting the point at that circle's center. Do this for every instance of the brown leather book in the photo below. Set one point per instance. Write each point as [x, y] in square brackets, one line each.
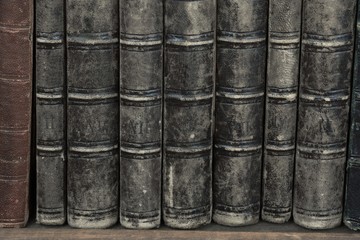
[15, 110]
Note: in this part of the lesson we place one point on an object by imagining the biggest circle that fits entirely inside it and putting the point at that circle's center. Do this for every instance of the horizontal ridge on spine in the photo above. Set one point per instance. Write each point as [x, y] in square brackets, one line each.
[281, 95]
[284, 40]
[254, 207]
[54, 38]
[140, 95]
[318, 213]
[141, 40]
[323, 43]
[252, 39]
[94, 96]
[190, 40]
[186, 213]
[99, 38]
[353, 161]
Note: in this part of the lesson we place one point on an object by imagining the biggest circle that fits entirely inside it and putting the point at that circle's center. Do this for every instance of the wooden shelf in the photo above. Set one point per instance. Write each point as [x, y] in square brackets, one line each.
[261, 231]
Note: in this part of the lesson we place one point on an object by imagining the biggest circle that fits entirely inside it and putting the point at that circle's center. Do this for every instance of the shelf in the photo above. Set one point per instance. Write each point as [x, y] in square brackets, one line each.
[261, 231]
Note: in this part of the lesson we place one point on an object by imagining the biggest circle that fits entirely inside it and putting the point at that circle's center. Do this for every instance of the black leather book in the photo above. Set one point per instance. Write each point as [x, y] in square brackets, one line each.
[240, 87]
[352, 194]
[324, 96]
[50, 112]
[281, 109]
[93, 112]
[188, 112]
[141, 80]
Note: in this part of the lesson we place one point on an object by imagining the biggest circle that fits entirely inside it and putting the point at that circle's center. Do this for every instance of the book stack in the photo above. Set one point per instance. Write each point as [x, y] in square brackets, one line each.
[180, 112]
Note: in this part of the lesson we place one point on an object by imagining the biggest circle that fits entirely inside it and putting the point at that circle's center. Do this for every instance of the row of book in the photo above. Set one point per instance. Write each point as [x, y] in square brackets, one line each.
[180, 110]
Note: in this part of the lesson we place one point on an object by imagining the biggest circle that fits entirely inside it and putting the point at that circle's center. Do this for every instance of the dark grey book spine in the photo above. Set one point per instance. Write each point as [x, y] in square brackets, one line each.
[240, 88]
[141, 80]
[281, 109]
[93, 112]
[352, 194]
[50, 112]
[324, 96]
[188, 112]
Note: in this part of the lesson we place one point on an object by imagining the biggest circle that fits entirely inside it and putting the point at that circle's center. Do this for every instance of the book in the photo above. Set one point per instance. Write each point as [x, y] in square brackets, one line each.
[50, 112]
[240, 89]
[188, 112]
[16, 17]
[324, 96]
[141, 80]
[92, 113]
[351, 215]
[281, 109]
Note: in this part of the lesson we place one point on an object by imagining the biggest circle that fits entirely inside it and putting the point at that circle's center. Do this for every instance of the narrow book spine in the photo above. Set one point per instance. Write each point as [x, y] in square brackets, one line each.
[93, 112]
[15, 110]
[352, 195]
[141, 77]
[325, 73]
[188, 112]
[50, 109]
[281, 109]
[240, 87]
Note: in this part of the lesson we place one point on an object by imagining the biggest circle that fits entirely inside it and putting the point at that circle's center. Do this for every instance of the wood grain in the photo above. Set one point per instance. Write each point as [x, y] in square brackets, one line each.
[261, 231]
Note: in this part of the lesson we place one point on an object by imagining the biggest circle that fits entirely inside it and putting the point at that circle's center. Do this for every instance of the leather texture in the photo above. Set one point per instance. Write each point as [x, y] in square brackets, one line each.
[50, 112]
[324, 97]
[281, 109]
[15, 110]
[141, 80]
[93, 112]
[240, 88]
[188, 112]
[352, 195]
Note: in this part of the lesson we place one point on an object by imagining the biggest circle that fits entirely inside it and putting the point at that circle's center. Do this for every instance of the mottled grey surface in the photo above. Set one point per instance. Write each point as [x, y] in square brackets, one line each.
[352, 195]
[325, 73]
[141, 77]
[93, 112]
[50, 118]
[240, 87]
[188, 112]
[281, 109]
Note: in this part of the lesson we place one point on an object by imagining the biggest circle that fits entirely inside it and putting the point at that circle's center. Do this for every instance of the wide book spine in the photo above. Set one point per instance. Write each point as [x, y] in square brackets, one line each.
[324, 96]
[240, 88]
[92, 112]
[281, 109]
[352, 194]
[141, 80]
[15, 110]
[188, 112]
[50, 110]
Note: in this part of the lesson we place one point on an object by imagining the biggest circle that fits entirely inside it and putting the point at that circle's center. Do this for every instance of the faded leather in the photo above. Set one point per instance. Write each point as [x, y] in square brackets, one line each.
[15, 110]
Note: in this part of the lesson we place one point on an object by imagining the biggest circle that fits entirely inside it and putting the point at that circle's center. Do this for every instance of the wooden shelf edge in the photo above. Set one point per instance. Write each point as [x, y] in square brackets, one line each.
[260, 231]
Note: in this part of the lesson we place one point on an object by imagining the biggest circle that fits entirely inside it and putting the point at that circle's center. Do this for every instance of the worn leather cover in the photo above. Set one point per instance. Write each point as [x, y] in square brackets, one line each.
[240, 87]
[281, 109]
[15, 110]
[50, 112]
[93, 112]
[141, 80]
[188, 112]
[324, 96]
[352, 194]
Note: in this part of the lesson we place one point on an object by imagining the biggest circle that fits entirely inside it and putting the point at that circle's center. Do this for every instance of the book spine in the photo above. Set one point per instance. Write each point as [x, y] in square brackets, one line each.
[325, 73]
[188, 112]
[352, 195]
[93, 112]
[50, 110]
[15, 110]
[281, 109]
[240, 88]
[141, 80]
